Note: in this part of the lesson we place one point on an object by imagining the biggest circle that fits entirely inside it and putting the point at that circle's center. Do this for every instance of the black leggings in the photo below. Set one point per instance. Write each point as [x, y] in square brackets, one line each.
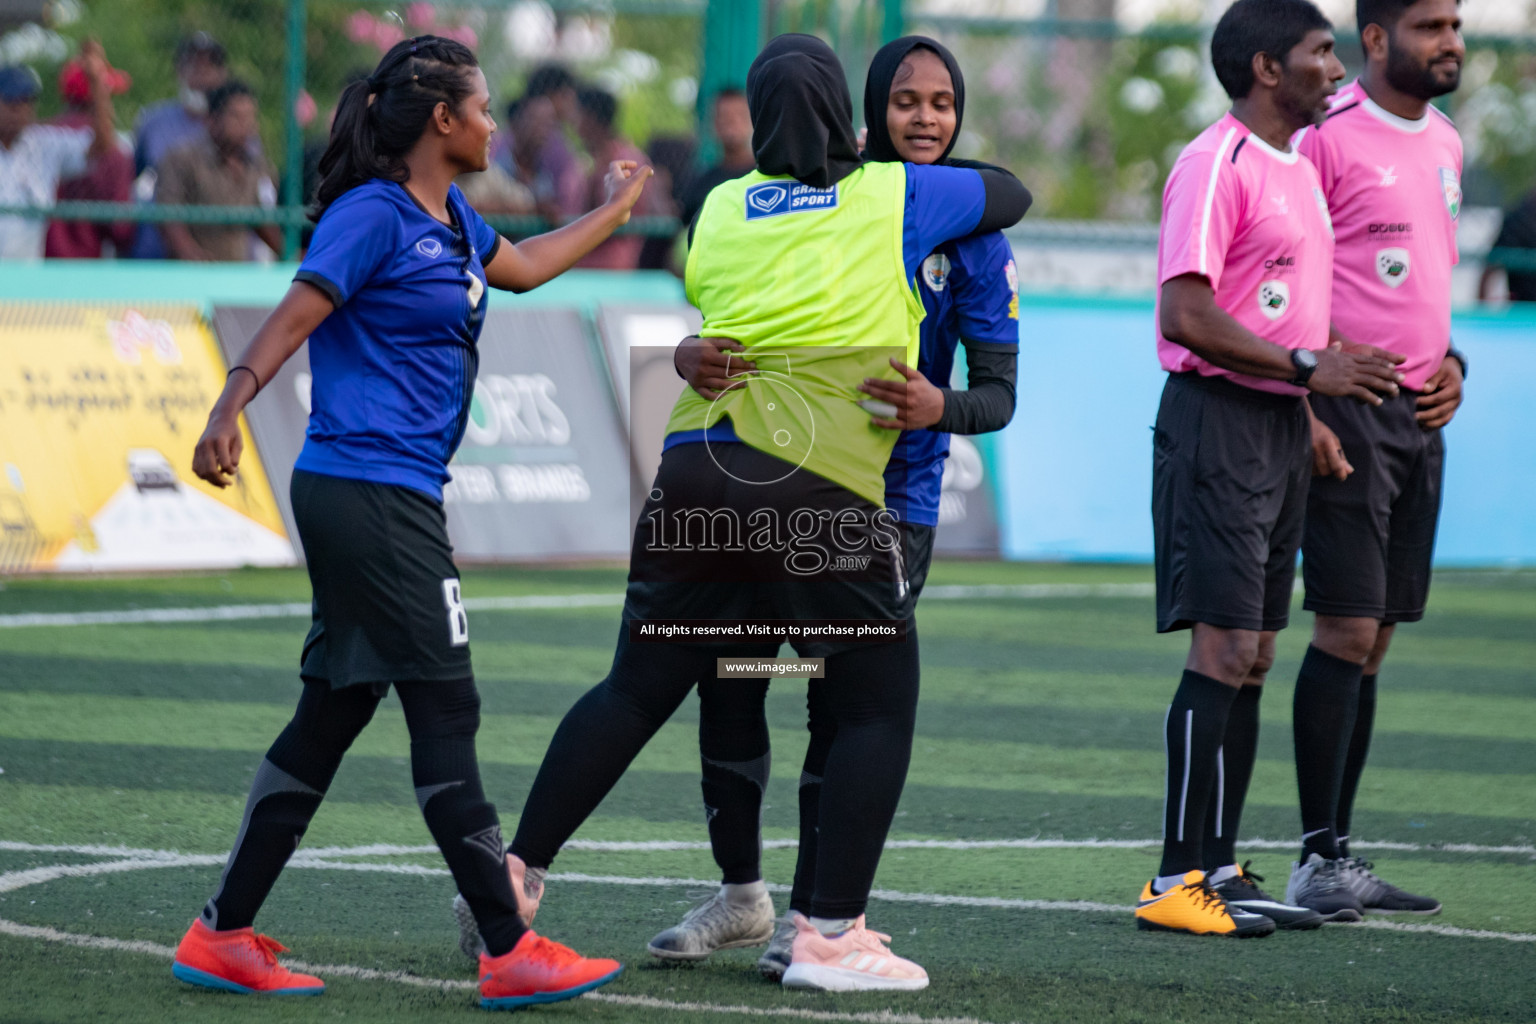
[443, 718]
[868, 702]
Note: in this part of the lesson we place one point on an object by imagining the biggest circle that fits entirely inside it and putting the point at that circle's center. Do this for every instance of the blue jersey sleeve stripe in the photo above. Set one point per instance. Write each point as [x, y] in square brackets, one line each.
[324, 283]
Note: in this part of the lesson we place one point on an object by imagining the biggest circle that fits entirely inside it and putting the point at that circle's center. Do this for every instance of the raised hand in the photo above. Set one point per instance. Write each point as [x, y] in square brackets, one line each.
[624, 182]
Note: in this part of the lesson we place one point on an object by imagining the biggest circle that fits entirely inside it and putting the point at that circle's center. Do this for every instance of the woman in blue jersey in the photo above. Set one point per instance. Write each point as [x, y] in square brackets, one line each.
[914, 102]
[774, 248]
[391, 297]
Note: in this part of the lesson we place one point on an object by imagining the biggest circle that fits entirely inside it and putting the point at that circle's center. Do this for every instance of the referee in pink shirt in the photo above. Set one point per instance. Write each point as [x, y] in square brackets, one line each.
[1245, 258]
[1390, 165]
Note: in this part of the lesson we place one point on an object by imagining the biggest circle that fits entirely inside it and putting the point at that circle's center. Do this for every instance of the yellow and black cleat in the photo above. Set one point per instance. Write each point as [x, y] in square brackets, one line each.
[1195, 908]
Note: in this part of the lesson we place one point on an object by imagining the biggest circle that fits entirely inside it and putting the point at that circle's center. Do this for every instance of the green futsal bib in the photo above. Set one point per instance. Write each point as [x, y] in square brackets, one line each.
[812, 282]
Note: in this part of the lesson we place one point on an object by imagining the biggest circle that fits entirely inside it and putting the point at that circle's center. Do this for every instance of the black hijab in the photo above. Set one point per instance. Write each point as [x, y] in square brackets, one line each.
[802, 116]
[877, 94]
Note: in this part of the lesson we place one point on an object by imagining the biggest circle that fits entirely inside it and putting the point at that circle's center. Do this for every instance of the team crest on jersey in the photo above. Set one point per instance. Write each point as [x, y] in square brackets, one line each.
[1451, 186]
[1392, 267]
[936, 272]
[431, 248]
[1274, 299]
[775, 198]
[1322, 208]
[1011, 273]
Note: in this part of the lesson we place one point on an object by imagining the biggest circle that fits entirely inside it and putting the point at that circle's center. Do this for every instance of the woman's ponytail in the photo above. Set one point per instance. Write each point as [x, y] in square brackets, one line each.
[380, 118]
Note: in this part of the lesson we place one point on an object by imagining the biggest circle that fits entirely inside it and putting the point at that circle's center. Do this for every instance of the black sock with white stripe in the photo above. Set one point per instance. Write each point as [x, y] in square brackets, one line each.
[1234, 769]
[1326, 705]
[1195, 729]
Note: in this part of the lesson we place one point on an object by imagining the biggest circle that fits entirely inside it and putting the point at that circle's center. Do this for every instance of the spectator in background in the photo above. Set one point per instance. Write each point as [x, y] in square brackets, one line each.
[595, 125]
[732, 123]
[219, 170]
[107, 178]
[201, 67]
[34, 157]
[1518, 232]
[673, 157]
[534, 150]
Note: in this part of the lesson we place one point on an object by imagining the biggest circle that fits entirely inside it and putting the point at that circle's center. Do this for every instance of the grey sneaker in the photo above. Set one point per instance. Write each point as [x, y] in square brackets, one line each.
[716, 924]
[470, 942]
[781, 949]
[1322, 885]
[1378, 897]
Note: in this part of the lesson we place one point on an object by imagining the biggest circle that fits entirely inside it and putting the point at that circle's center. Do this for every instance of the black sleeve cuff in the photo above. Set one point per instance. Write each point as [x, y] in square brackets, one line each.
[324, 284]
[485, 260]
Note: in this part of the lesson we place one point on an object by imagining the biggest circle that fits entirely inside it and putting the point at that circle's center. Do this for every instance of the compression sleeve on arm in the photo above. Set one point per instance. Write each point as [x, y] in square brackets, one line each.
[987, 403]
[1007, 200]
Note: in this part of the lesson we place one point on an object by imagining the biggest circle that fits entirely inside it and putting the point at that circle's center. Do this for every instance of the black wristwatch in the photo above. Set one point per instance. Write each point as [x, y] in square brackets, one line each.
[1305, 362]
[1461, 357]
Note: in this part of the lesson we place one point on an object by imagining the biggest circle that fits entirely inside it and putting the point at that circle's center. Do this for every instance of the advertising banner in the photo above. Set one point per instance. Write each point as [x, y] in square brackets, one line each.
[100, 406]
[542, 471]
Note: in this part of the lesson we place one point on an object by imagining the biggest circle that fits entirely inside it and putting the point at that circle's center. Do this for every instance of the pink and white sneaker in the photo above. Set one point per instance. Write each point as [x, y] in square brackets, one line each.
[856, 960]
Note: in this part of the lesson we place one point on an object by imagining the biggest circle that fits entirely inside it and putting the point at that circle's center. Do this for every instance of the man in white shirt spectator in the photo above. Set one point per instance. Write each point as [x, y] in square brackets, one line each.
[33, 157]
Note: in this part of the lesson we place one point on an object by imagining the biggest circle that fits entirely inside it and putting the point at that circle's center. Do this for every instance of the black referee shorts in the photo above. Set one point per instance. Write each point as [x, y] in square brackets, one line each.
[387, 604]
[709, 544]
[1230, 468]
[1370, 537]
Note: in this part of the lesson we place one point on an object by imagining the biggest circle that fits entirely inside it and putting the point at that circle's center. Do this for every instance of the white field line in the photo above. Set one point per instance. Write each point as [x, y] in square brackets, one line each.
[13, 880]
[295, 610]
[464, 985]
[675, 845]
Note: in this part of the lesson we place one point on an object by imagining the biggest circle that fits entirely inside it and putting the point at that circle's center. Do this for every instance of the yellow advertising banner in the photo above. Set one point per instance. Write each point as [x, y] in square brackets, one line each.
[100, 406]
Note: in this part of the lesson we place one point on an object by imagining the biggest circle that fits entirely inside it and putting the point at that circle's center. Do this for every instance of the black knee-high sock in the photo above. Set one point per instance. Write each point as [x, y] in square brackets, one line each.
[734, 754]
[1326, 705]
[1234, 769]
[812, 773]
[601, 735]
[1354, 763]
[287, 790]
[1194, 730]
[872, 697]
[443, 718]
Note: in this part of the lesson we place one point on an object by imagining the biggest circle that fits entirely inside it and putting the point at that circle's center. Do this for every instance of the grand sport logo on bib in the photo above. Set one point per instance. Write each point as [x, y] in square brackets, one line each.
[431, 248]
[936, 272]
[1392, 266]
[774, 198]
[1274, 299]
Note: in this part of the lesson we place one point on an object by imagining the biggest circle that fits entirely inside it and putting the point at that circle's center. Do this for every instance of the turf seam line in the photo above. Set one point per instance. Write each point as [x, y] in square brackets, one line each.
[534, 602]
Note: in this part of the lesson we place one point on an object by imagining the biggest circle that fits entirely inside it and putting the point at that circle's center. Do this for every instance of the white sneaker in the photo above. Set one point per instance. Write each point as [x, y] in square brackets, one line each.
[717, 923]
[856, 960]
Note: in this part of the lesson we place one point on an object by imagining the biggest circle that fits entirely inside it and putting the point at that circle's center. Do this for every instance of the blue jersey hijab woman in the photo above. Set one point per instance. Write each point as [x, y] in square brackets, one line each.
[392, 297]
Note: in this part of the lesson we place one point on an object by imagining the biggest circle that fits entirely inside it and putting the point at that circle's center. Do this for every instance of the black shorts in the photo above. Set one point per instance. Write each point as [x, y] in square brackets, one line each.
[711, 545]
[1370, 537]
[1230, 468]
[387, 604]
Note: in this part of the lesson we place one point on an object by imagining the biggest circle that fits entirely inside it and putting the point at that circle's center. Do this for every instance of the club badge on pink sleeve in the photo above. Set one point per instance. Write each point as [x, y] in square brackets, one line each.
[1451, 185]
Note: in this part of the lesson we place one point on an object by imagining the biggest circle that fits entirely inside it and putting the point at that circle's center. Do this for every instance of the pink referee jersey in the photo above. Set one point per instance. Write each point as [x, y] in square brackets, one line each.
[1394, 188]
[1254, 222]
